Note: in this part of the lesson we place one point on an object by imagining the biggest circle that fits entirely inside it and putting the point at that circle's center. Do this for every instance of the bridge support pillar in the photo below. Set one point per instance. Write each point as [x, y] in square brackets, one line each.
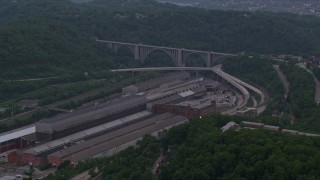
[136, 52]
[208, 59]
[179, 60]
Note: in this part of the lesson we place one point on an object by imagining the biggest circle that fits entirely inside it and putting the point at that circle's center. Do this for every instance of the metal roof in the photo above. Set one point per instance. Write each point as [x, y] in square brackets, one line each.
[76, 155]
[197, 104]
[65, 121]
[83, 134]
[271, 127]
[228, 126]
[114, 134]
[17, 133]
[252, 123]
[153, 83]
[186, 93]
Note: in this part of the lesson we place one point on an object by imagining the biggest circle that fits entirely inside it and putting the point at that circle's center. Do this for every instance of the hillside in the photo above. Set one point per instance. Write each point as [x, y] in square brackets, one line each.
[58, 36]
[310, 7]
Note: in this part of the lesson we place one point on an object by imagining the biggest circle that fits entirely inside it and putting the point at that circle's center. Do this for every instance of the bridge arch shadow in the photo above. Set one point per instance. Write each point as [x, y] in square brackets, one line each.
[125, 56]
[195, 60]
[158, 58]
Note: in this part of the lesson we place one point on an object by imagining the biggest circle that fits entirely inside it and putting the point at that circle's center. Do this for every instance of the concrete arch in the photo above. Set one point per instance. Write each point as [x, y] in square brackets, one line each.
[177, 55]
[130, 47]
[170, 53]
[203, 56]
[145, 54]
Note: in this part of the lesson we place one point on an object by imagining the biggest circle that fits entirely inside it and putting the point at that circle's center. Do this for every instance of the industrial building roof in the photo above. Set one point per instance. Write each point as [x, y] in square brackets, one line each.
[197, 103]
[119, 140]
[228, 126]
[183, 85]
[180, 96]
[153, 83]
[252, 123]
[112, 135]
[83, 134]
[14, 134]
[290, 131]
[168, 99]
[275, 128]
[64, 121]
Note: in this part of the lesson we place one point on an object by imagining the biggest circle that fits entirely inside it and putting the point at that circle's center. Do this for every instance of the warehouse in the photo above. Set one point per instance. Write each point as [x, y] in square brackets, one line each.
[70, 123]
[113, 142]
[154, 83]
[103, 140]
[17, 139]
[183, 95]
[190, 109]
[178, 87]
[38, 153]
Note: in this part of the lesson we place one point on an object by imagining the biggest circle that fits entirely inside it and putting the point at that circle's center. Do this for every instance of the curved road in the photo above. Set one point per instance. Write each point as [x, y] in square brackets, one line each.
[283, 79]
[232, 80]
[254, 89]
[317, 83]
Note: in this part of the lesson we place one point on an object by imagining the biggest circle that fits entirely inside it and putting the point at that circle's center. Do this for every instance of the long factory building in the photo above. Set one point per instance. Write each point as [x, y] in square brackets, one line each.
[108, 128]
[105, 141]
[70, 123]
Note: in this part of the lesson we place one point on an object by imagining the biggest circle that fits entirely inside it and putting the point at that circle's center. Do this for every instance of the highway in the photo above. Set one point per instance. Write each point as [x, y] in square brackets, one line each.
[163, 69]
[254, 89]
[229, 78]
[217, 69]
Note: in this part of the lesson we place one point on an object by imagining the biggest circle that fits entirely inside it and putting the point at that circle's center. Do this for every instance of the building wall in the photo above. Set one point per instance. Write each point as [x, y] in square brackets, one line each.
[14, 157]
[55, 161]
[186, 111]
[8, 145]
[24, 158]
[14, 144]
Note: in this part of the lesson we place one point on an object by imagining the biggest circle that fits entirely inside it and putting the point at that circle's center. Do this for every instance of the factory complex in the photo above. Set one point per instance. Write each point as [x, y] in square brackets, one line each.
[149, 107]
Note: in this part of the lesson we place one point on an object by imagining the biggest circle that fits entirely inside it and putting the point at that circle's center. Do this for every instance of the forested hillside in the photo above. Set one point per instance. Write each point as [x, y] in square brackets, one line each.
[55, 40]
[44, 38]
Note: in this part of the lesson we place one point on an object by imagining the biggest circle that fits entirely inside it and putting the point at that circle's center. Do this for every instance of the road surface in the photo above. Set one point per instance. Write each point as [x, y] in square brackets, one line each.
[317, 83]
[283, 79]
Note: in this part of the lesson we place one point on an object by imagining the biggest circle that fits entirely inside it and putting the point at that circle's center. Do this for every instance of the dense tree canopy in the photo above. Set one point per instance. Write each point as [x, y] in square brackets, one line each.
[205, 153]
[45, 38]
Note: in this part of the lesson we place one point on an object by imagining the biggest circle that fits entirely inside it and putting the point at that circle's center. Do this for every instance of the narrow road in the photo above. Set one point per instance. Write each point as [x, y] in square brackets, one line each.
[82, 176]
[317, 83]
[33, 79]
[254, 102]
[283, 79]
[157, 163]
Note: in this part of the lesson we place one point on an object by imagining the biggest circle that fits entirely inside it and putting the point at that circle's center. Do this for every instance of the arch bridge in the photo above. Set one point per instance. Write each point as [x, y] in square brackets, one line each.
[177, 55]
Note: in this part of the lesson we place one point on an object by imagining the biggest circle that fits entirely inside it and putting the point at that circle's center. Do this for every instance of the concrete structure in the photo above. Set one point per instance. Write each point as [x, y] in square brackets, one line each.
[154, 83]
[66, 124]
[229, 126]
[178, 55]
[100, 143]
[190, 109]
[252, 124]
[217, 70]
[247, 112]
[17, 139]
